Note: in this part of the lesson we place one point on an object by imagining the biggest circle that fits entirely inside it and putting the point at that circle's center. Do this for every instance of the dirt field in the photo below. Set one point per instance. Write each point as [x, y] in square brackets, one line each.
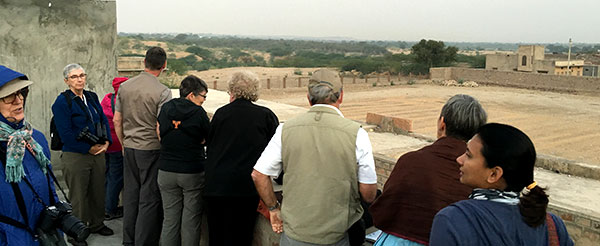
[559, 124]
[563, 125]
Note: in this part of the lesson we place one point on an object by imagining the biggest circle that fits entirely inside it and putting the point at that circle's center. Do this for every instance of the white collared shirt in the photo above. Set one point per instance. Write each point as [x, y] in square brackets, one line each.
[270, 162]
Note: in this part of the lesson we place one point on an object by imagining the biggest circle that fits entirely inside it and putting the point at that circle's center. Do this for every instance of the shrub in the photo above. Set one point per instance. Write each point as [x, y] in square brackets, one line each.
[298, 72]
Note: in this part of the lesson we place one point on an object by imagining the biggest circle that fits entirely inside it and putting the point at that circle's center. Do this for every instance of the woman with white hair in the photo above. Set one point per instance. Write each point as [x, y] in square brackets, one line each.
[239, 132]
[85, 134]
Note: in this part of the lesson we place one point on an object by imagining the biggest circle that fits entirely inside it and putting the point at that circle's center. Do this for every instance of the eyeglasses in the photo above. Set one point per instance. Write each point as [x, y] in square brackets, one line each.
[22, 94]
[202, 95]
[81, 76]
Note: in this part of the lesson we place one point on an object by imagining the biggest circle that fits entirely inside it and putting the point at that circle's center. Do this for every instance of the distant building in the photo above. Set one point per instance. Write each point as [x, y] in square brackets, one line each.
[575, 68]
[531, 58]
[590, 70]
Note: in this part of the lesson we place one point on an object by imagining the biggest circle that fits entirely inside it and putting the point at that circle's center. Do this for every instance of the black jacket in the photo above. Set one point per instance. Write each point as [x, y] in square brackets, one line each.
[183, 127]
[239, 133]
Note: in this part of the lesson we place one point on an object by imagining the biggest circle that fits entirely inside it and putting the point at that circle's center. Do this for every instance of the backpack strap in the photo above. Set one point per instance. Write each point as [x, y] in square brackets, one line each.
[552, 233]
[112, 102]
[67, 97]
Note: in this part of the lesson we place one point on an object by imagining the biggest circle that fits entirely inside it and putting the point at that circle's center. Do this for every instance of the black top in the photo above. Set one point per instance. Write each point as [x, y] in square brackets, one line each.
[183, 127]
[239, 132]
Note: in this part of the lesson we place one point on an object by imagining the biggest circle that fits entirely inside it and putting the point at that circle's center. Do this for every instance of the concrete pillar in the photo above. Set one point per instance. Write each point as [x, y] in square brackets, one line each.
[39, 40]
[284, 79]
[283, 84]
[215, 84]
[269, 83]
[299, 82]
[366, 79]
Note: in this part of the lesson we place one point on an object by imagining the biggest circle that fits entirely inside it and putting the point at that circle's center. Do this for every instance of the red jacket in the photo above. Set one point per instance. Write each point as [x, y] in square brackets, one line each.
[107, 107]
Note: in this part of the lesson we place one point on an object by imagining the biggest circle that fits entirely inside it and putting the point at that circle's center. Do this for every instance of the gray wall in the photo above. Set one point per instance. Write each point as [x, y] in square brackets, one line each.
[39, 40]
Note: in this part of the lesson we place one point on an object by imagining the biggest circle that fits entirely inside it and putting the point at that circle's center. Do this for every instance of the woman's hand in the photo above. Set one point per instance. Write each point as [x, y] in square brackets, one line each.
[99, 148]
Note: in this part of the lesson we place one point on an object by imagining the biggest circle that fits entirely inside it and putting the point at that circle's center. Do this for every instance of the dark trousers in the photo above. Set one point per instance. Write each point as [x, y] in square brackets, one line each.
[84, 175]
[114, 181]
[231, 220]
[142, 207]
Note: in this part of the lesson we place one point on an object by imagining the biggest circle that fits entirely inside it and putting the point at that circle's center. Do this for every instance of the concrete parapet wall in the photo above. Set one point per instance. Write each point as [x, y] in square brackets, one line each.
[584, 229]
[570, 167]
[519, 79]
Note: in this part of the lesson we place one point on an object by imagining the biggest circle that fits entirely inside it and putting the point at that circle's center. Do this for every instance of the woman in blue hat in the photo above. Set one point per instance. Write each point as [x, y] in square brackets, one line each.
[25, 185]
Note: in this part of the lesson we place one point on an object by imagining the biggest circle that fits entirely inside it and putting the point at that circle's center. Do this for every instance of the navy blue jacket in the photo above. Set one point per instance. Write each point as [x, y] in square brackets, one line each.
[71, 120]
[10, 235]
[477, 222]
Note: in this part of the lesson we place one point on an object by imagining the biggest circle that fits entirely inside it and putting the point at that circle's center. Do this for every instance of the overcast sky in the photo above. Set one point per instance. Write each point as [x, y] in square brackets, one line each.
[525, 21]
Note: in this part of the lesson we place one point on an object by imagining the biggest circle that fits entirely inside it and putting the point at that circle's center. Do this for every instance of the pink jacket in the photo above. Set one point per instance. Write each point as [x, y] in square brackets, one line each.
[108, 111]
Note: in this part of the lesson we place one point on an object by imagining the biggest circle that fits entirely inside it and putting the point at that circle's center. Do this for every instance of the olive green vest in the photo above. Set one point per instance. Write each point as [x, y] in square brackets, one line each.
[320, 189]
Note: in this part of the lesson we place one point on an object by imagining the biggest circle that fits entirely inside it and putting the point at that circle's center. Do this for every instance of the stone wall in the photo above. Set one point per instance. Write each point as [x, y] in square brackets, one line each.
[583, 229]
[519, 79]
[39, 38]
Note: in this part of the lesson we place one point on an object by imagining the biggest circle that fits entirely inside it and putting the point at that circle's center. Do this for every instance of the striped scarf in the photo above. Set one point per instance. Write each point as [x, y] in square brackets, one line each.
[17, 141]
[508, 197]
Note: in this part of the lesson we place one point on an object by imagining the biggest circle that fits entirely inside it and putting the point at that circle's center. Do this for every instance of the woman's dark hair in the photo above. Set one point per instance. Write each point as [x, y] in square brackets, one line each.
[192, 84]
[509, 148]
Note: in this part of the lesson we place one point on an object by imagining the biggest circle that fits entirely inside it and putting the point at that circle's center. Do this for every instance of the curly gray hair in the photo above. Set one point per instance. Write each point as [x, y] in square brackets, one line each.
[245, 85]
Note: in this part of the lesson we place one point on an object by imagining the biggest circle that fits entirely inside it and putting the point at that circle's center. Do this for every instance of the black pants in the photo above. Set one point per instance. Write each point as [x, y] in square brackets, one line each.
[231, 220]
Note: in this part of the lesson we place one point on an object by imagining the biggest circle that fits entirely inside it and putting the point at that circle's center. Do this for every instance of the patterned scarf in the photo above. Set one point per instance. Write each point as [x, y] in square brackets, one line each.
[18, 140]
[508, 197]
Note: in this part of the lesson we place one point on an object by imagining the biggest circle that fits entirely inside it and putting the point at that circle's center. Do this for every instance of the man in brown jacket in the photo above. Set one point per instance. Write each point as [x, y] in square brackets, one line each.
[427, 180]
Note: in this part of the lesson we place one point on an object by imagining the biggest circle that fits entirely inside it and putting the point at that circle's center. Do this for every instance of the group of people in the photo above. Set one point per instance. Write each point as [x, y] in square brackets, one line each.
[473, 186]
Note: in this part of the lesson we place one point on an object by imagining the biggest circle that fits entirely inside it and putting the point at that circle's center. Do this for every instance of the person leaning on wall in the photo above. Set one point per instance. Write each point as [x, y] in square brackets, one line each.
[85, 133]
[183, 128]
[427, 180]
[239, 132]
[506, 206]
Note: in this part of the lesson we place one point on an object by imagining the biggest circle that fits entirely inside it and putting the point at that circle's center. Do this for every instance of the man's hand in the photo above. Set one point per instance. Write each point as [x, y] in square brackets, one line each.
[276, 222]
[265, 191]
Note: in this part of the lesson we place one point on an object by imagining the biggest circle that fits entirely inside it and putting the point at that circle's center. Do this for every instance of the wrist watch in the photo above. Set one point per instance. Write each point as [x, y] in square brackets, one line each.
[276, 206]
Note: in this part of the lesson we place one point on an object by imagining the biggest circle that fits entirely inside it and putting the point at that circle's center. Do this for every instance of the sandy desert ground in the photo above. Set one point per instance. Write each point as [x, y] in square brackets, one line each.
[559, 124]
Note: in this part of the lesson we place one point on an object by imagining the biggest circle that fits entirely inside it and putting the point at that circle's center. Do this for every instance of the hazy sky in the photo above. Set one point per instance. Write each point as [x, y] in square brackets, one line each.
[526, 21]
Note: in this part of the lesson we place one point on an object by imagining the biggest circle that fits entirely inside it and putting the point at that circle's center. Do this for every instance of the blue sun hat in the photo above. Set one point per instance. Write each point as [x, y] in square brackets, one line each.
[11, 81]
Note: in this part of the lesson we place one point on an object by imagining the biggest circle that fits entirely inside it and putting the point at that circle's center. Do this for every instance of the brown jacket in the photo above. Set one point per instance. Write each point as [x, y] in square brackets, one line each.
[422, 183]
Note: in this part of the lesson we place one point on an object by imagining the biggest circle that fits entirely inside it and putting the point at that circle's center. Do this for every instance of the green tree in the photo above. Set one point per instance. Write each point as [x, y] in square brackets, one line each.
[201, 52]
[433, 53]
[177, 66]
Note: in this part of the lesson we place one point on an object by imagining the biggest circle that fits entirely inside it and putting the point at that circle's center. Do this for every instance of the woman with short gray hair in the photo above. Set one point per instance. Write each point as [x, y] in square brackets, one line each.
[183, 128]
[84, 131]
[238, 134]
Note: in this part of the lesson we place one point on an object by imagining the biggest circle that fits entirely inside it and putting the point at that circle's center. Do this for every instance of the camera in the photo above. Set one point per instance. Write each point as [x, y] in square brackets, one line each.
[92, 139]
[59, 216]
